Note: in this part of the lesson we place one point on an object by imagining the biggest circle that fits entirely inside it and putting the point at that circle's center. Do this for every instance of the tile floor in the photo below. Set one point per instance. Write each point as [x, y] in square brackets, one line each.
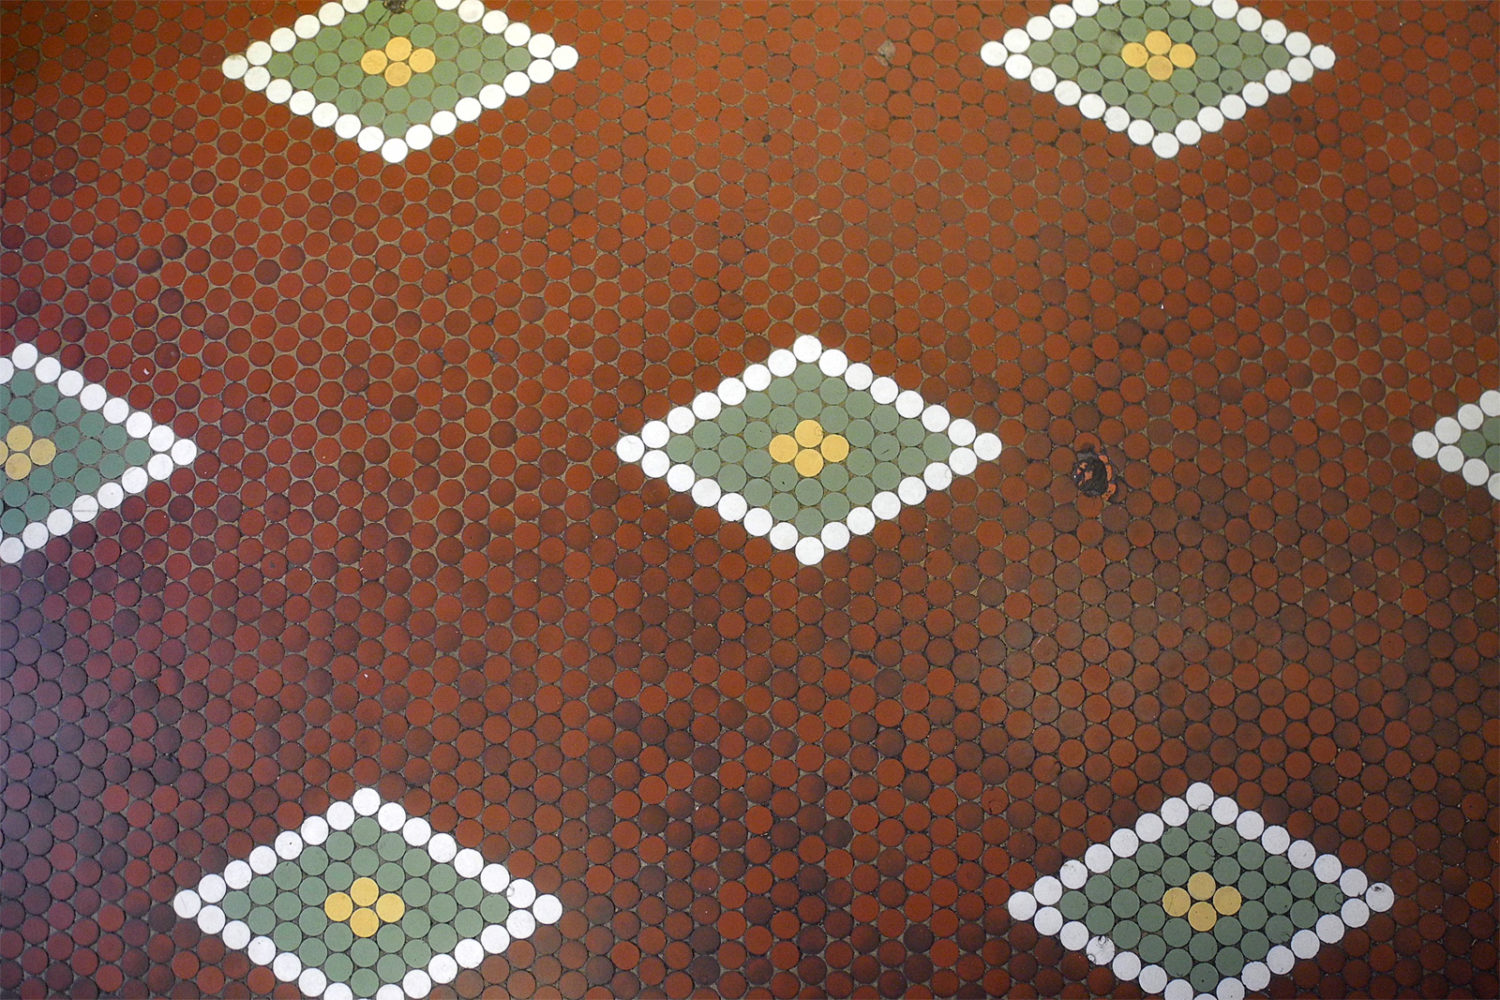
[749, 500]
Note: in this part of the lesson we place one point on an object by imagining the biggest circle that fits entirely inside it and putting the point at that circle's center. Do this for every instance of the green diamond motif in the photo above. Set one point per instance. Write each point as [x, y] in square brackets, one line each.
[1163, 71]
[366, 901]
[391, 80]
[1467, 443]
[69, 449]
[1201, 897]
[808, 449]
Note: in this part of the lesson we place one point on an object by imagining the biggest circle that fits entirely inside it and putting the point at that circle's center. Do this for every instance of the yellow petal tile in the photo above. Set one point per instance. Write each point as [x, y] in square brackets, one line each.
[809, 462]
[835, 448]
[397, 74]
[19, 437]
[390, 907]
[398, 48]
[17, 466]
[338, 906]
[783, 447]
[364, 891]
[1201, 886]
[1227, 900]
[1135, 55]
[363, 922]
[1160, 67]
[1202, 916]
[422, 60]
[373, 61]
[43, 451]
[1183, 56]
[808, 433]
[1176, 902]
[1158, 42]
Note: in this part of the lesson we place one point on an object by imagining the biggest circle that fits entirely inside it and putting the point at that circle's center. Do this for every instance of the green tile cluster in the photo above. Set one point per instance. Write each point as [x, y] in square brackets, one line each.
[1483, 442]
[91, 451]
[443, 907]
[885, 447]
[328, 64]
[1125, 903]
[1228, 57]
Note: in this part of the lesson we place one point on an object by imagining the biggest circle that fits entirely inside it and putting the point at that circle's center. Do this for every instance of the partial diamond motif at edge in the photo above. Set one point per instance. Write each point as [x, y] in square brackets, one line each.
[366, 901]
[68, 449]
[1162, 71]
[808, 449]
[393, 81]
[1468, 443]
[1201, 899]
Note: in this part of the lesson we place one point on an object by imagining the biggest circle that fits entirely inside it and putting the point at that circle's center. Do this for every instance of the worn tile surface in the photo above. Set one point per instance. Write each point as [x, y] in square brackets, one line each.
[748, 500]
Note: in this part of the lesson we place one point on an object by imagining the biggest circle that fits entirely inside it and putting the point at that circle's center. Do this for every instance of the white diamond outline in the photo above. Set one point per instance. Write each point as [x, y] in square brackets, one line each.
[1433, 444]
[809, 549]
[190, 904]
[86, 507]
[1010, 53]
[279, 90]
[1376, 897]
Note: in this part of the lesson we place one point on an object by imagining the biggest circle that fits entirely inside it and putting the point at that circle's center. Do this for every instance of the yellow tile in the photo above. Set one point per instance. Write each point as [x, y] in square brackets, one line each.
[1160, 67]
[1176, 902]
[363, 922]
[364, 891]
[808, 433]
[1227, 900]
[338, 906]
[783, 448]
[1183, 56]
[1158, 42]
[390, 907]
[19, 437]
[43, 451]
[17, 466]
[835, 448]
[1135, 55]
[422, 60]
[1202, 916]
[398, 48]
[373, 61]
[809, 462]
[397, 74]
[1201, 885]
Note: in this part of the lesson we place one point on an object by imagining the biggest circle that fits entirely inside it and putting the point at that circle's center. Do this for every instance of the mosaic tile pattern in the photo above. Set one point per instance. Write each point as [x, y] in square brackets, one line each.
[394, 80]
[409, 558]
[1467, 443]
[1164, 72]
[1201, 898]
[366, 901]
[68, 449]
[809, 450]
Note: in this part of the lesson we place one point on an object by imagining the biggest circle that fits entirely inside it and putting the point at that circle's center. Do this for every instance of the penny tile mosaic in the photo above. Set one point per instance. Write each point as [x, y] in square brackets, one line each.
[1201, 898]
[809, 450]
[391, 76]
[69, 450]
[366, 901]
[1164, 72]
[748, 500]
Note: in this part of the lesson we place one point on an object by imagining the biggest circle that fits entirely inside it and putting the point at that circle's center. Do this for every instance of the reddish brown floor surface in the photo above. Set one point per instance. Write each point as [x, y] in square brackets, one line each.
[409, 557]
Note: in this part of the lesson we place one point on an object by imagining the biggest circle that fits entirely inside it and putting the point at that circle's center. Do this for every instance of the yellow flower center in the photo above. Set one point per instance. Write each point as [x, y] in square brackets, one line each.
[364, 907]
[398, 61]
[1202, 901]
[1158, 55]
[21, 451]
[809, 448]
